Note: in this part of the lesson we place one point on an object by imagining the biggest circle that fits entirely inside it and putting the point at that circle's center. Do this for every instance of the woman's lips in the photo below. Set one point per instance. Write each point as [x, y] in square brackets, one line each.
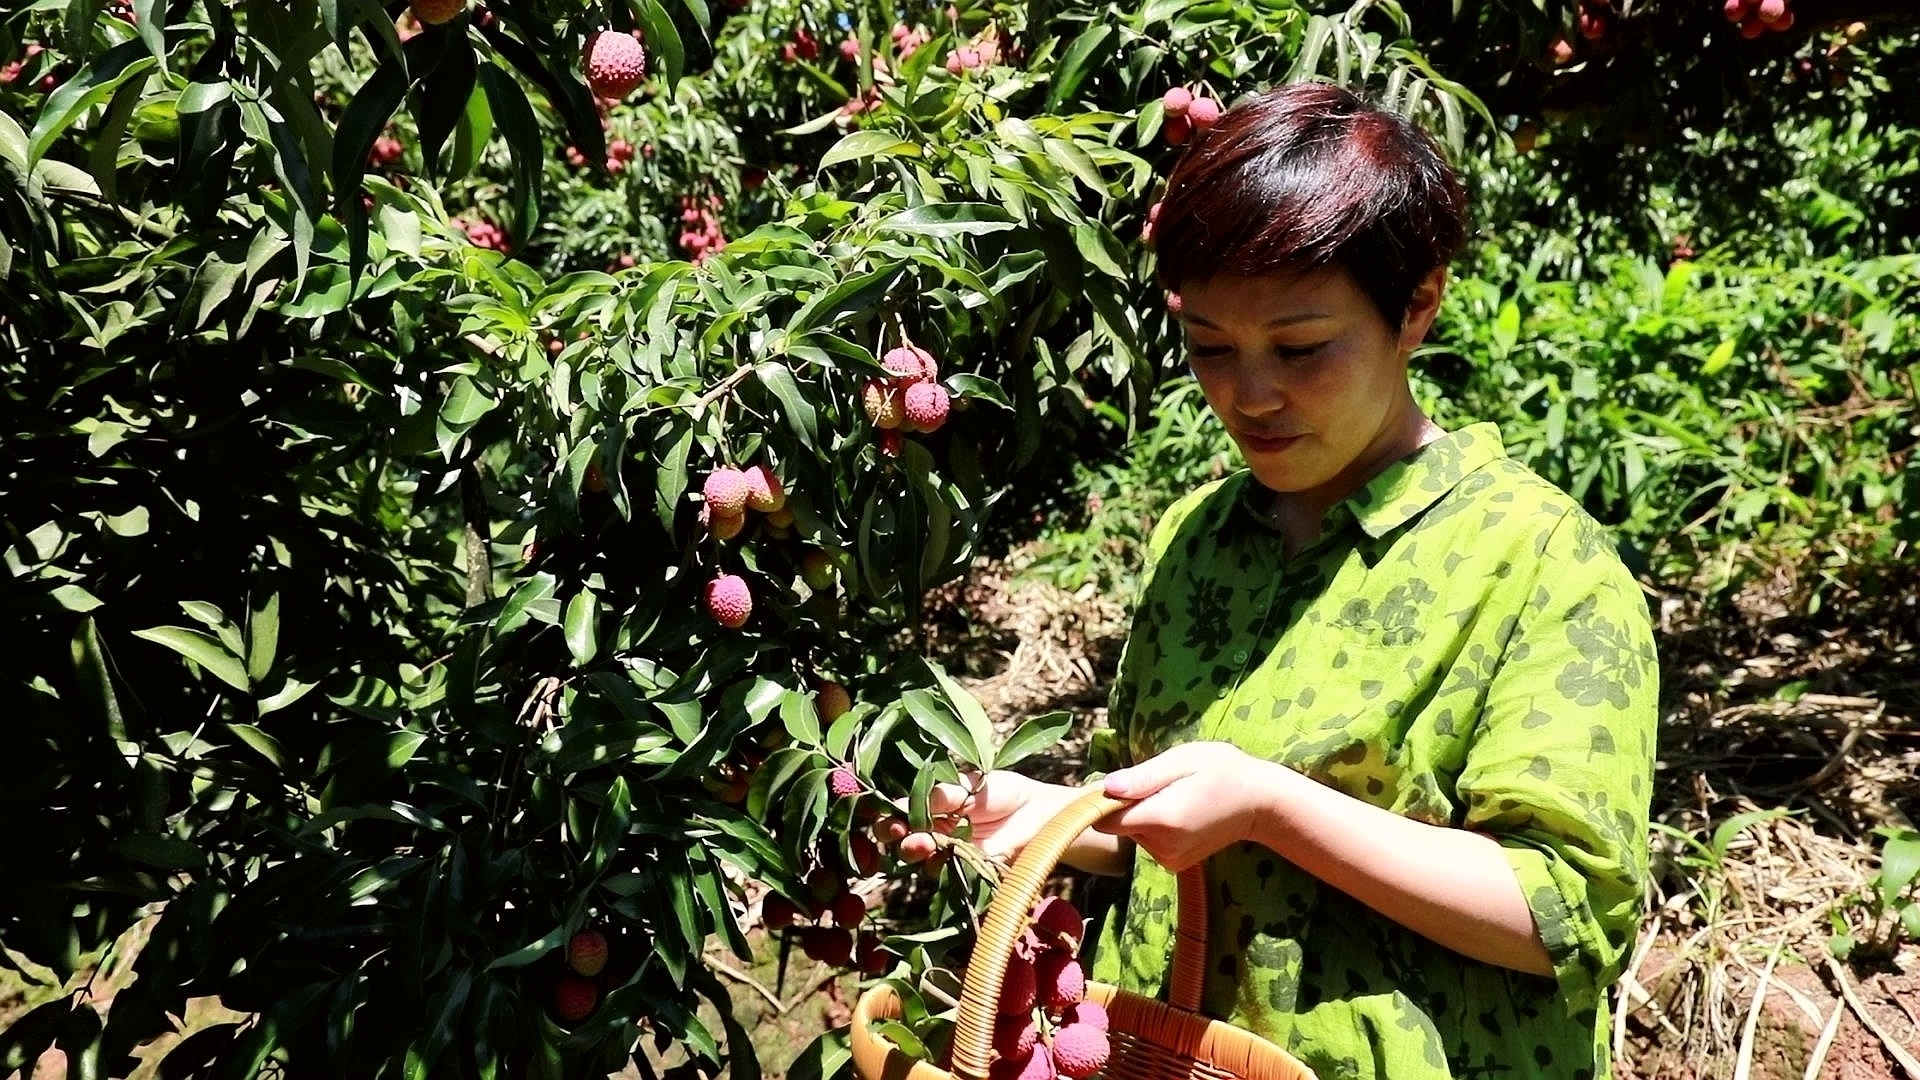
[1266, 444]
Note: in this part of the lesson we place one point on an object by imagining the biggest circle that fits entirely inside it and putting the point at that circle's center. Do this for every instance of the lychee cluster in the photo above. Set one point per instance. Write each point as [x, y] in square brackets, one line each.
[1187, 115]
[577, 992]
[486, 234]
[982, 52]
[386, 150]
[730, 492]
[830, 926]
[1756, 17]
[804, 46]
[848, 115]
[615, 63]
[907, 39]
[1046, 1027]
[11, 73]
[700, 235]
[909, 399]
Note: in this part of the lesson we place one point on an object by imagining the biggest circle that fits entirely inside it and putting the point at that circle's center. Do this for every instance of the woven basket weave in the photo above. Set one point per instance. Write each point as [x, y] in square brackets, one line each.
[1150, 1040]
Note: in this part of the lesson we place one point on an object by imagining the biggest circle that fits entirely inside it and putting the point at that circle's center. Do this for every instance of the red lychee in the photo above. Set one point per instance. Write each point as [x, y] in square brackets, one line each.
[574, 998]
[1060, 982]
[729, 601]
[764, 492]
[890, 443]
[722, 526]
[883, 404]
[832, 946]
[925, 405]
[1015, 1035]
[435, 12]
[1176, 101]
[831, 701]
[869, 957]
[587, 952]
[1018, 991]
[843, 783]
[777, 912]
[1056, 919]
[1177, 129]
[864, 854]
[1079, 1051]
[1203, 113]
[848, 910]
[1036, 1066]
[726, 491]
[615, 63]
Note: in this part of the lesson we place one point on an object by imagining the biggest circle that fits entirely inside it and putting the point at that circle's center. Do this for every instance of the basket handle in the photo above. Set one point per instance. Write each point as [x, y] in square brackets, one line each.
[1013, 899]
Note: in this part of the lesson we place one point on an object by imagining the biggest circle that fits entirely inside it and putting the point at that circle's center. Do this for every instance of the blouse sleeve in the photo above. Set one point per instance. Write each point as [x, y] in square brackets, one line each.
[1561, 763]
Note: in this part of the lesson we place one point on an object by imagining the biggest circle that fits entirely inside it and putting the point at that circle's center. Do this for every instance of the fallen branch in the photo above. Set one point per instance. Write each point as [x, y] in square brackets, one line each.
[1899, 1053]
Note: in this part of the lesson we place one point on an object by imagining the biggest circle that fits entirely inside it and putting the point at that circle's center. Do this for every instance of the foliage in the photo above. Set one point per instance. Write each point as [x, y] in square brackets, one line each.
[1890, 903]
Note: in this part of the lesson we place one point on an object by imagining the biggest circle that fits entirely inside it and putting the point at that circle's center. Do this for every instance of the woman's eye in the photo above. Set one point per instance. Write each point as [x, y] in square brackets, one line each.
[1208, 352]
[1297, 352]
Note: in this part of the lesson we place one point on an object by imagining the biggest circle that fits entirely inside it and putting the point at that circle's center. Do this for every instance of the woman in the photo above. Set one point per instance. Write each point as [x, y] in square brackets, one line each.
[1396, 691]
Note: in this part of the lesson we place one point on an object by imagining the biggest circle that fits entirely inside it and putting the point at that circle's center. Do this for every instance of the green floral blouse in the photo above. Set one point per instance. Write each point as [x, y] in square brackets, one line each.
[1461, 645]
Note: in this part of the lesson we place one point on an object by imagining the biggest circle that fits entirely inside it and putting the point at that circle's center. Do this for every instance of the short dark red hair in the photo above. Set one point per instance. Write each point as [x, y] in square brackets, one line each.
[1307, 176]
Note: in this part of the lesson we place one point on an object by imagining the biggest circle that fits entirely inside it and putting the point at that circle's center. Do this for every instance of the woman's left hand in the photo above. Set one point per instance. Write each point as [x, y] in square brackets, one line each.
[1193, 800]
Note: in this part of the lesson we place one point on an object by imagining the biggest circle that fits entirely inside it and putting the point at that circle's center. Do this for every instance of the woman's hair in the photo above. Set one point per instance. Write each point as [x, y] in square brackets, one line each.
[1307, 176]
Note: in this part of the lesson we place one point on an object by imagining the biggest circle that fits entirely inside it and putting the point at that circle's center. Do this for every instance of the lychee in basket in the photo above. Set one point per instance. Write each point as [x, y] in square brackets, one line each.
[1149, 1040]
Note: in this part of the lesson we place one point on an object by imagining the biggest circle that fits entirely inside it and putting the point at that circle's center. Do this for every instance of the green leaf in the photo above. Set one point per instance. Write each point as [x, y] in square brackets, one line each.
[801, 416]
[365, 117]
[531, 951]
[663, 38]
[1899, 866]
[860, 293]
[610, 827]
[267, 746]
[866, 144]
[93, 86]
[580, 625]
[1074, 64]
[525, 143]
[933, 717]
[1033, 736]
[979, 726]
[953, 219]
[202, 650]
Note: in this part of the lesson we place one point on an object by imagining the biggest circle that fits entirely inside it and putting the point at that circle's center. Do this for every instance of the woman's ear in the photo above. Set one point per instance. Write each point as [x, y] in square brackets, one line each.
[1422, 309]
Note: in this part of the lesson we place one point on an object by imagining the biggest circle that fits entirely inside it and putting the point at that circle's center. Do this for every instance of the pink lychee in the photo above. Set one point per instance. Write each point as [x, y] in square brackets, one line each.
[1035, 1066]
[729, 601]
[910, 364]
[1015, 1035]
[925, 405]
[1079, 1051]
[843, 782]
[727, 490]
[1203, 113]
[1091, 1013]
[1057, 919]
[1176, 100]
[615, 63]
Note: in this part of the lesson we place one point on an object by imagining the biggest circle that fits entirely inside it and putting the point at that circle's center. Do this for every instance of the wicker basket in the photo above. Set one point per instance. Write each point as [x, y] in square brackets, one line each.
[1150, 1040]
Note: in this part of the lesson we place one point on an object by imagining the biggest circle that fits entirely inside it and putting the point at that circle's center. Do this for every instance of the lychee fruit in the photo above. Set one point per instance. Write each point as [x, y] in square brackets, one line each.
[729, 601]
[1057, 919]
[722, 526]
[781, 518]
[574, 998]
[764, 492]
[925, 405]
[1203, 114]
[727, 490]
[1176, 304]
[848, 910]
[777, 912]
[1079, 1051]
[435, 12]
[843, 783]
[1015, 1035]
[831, 701]
[1090, 1013]
[587, 952]
[1036, 1066]
[890, 443]
[1060, 982]
[1018, 990]
[817, 570]
[832, 946]
[615, 63]
[910, 364]
[1177, 129]
[1176, 100]
[870, 957]
[864, 854]
[883, 404]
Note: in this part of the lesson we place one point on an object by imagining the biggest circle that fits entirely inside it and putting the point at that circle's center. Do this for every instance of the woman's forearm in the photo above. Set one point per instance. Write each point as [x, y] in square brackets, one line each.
[1449, 885]
[1100, 853]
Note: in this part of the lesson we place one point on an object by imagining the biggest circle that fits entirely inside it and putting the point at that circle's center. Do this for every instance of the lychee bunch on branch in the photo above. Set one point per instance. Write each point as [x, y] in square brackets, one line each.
[909, 398]
[1046, 1028]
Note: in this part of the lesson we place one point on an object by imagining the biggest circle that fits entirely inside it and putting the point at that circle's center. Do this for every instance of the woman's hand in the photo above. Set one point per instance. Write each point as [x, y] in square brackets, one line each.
[1193, 800]
[1005, 811]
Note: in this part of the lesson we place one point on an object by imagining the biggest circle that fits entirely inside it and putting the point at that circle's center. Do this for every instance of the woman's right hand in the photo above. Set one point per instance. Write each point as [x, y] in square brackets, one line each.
[1005, 810]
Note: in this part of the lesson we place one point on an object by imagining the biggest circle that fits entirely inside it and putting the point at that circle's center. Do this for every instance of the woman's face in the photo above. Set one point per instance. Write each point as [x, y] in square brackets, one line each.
[1310, 381]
